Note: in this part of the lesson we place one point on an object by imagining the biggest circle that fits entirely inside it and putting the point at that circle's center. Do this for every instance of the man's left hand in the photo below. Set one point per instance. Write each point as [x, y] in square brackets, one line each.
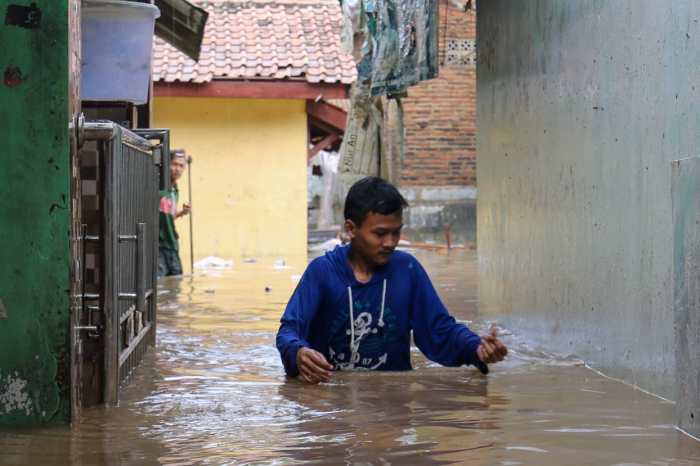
[491, 349]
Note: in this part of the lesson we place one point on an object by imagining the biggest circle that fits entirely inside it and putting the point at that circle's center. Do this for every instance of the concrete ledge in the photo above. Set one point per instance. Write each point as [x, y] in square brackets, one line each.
[434, 209]
[439, 194]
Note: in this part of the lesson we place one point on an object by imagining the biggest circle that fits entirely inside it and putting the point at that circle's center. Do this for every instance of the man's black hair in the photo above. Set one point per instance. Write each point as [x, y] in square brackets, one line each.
[372, 194]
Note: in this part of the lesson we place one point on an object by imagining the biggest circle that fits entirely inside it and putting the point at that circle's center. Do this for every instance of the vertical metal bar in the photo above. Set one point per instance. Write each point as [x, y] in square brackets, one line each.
[141, 268]
[159, 179]
[111, 156]
[155, 216]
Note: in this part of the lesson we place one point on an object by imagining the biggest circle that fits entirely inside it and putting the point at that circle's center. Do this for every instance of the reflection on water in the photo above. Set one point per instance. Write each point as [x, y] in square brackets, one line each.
[214, 393]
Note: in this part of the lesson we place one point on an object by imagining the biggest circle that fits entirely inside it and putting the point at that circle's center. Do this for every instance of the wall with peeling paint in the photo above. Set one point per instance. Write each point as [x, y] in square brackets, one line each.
[34, 208]
[581, 108]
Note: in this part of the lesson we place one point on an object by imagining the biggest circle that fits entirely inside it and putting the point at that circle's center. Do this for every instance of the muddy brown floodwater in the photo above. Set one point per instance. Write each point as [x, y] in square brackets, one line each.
[214, 393]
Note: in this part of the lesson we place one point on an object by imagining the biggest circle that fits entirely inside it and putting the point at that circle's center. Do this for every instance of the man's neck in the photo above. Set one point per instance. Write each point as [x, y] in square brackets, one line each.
[361, 267]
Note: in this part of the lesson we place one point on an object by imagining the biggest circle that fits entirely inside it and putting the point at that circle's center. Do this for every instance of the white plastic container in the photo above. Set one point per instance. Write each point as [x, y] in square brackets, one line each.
[117, 49]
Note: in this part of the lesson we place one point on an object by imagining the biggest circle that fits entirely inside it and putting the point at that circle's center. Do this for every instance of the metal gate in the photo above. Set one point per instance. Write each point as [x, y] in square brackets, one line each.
[161, 140]
[120, 177]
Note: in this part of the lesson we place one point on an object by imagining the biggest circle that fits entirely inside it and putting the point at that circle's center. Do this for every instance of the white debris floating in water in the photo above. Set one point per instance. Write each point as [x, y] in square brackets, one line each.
[328, 245]
[213, 262]
[280, 264]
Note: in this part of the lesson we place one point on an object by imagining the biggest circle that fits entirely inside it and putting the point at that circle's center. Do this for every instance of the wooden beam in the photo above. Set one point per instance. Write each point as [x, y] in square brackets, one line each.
[327, 113]
[326, 128]
[233, 89]
[324, 143]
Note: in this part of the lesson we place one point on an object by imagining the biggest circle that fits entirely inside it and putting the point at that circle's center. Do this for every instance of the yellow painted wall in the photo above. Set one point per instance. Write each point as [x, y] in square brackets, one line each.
[248, 175]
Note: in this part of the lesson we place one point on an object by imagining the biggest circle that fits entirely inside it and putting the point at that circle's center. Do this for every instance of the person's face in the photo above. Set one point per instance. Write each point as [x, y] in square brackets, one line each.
[177, 167]
[377, 237]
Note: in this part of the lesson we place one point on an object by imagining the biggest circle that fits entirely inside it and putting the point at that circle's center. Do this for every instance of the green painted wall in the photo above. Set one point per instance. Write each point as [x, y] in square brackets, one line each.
[34, 217]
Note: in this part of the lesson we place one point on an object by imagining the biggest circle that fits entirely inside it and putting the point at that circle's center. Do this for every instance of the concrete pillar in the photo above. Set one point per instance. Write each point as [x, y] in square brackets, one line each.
[582, 106]
[686, 227]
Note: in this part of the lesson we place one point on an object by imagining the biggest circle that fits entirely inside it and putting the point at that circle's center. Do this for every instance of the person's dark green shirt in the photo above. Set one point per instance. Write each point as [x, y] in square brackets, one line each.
[168, 237]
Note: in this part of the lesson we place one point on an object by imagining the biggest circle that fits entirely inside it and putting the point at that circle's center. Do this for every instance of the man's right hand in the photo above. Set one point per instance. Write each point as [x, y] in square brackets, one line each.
[491, 349]
[313, 367]
[186, 210]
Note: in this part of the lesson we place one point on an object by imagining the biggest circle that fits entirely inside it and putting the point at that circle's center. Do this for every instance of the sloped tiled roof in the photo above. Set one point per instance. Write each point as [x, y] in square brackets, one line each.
[262, 39]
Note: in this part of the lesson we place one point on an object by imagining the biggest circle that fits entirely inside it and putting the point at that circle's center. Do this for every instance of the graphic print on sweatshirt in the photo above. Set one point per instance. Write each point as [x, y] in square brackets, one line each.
[371, 339]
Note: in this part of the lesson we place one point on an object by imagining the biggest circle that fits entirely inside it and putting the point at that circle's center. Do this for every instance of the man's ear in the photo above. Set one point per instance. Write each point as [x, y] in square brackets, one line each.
[350, 227]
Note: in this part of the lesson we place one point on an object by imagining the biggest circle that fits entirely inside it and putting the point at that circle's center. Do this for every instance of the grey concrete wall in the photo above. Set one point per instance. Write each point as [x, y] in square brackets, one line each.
[433, 208]
[686, 271]
[581, 107]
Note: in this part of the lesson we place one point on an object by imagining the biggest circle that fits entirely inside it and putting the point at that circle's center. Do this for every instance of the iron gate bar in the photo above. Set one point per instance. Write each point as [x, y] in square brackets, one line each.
[163, 138]
[137, 166]
[141, 268]
[125, 316]
[130, 200]
[97, 130]
[134, 141]
[133, 347]
[162, 151]
[112, 152]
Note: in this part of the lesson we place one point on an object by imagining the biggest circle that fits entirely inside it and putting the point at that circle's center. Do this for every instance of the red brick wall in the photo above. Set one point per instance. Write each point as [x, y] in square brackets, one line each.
[440, 114]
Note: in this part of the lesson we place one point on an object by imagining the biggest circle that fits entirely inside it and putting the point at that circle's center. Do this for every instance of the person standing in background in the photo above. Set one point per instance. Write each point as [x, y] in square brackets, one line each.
[168, 248]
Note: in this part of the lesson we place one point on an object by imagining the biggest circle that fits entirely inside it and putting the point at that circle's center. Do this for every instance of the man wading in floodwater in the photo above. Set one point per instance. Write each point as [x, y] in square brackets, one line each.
[355, 307]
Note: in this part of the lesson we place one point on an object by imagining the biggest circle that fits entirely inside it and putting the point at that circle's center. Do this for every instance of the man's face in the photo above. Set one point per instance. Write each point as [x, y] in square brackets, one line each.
[177, 167]
[377, 237]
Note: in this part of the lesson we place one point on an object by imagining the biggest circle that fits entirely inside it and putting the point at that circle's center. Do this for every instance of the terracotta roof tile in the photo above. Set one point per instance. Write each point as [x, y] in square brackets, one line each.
[275, 39]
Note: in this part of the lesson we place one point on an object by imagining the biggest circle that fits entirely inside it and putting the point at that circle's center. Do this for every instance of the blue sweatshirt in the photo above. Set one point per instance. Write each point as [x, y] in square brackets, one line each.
[399, 298]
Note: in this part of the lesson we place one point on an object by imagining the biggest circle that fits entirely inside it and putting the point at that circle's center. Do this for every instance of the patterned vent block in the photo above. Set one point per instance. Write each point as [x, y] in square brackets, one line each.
[461, 52]
[90, 185]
